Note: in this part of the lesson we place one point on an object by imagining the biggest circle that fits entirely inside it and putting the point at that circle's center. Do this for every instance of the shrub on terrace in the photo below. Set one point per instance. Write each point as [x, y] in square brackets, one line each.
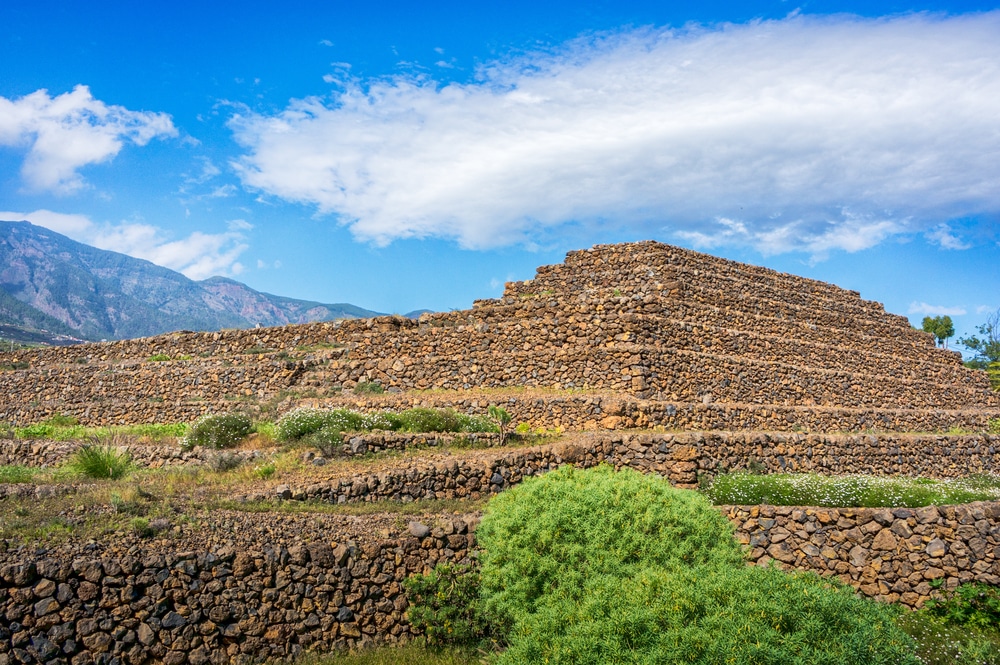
[218, 431]
[597, 566]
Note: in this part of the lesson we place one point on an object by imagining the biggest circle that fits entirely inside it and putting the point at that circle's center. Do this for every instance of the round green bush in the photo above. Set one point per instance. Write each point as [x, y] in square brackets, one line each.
[218, 431]
[557, 530]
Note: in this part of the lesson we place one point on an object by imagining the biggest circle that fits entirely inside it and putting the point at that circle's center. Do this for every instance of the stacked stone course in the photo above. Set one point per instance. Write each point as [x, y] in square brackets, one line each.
[240, 588]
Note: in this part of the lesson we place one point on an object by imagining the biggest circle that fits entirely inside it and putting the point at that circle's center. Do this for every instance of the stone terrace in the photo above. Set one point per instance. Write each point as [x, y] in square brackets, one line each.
[669, 328]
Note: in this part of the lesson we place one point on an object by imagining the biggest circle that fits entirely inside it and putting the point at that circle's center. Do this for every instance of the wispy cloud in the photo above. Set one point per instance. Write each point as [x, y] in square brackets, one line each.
[810, 134]
[65, 133]
[935, 310]
[944, 236]
[198, 255]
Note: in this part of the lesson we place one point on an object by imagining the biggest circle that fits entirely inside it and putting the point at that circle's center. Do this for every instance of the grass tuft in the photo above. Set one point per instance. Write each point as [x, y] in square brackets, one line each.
[103, 461]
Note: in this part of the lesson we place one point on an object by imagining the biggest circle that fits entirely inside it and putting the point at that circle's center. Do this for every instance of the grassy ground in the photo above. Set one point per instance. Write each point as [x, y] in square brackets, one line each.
[939, 643]
[849, 491]
[398, 655]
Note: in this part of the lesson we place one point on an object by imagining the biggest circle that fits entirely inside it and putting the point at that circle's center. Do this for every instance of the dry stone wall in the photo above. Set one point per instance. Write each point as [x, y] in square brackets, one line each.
[242, 588]
[682, 458]
[888, 554]
[595, 411]
[234, 588]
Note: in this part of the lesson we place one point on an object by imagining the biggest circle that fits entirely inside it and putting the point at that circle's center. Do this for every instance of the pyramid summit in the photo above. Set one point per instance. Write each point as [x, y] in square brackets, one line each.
[617, 336]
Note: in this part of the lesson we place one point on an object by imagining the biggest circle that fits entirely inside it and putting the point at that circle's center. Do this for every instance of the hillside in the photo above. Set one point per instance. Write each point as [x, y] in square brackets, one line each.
[51, 283]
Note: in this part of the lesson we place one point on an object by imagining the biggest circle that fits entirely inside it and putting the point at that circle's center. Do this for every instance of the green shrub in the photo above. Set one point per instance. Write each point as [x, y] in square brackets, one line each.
[994, 426]
[158, 358]
[140, 527]
[598, 566]
[303, 422]
[297, 423]
[444, 606]
[993, 372]
[708, 615]
[7, 431]
[368, 388]
[218, 431]
[421, 419]
[328, 441]
[101, 461]
[264, 471]
[972, 605]
[556, 530]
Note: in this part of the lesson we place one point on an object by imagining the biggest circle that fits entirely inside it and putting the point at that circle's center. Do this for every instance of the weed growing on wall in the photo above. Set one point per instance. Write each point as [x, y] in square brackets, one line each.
[368, 388]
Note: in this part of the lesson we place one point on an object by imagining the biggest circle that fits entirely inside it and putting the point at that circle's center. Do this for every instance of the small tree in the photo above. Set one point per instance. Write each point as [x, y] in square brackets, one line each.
[986, 347]
[941, 327]
[501, 418]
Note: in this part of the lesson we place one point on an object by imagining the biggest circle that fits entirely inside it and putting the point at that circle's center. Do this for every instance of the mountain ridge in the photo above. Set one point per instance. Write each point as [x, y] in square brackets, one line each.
[51, 283]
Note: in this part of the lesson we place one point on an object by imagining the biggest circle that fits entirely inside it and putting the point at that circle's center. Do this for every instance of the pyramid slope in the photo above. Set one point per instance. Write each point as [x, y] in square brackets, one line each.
[665, 330]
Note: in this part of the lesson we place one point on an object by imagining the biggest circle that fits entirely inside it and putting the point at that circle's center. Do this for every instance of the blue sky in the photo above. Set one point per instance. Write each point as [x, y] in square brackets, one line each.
[403, 156]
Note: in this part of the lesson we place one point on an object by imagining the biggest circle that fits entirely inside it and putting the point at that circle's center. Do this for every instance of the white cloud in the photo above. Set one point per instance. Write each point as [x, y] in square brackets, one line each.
[812, 134]
[944, 236]
[985, 309]
[69, 131]
[935, 310]
[197, 256]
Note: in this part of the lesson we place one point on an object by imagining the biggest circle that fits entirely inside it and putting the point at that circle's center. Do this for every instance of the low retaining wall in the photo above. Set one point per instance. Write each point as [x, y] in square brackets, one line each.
[232, 588]
[238, 588]
[39, 453]
[591, 412]
[681, 458]
[888, 554]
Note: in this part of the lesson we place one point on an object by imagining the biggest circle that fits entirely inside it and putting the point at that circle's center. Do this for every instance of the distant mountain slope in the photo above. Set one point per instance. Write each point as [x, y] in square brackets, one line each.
[97, 294]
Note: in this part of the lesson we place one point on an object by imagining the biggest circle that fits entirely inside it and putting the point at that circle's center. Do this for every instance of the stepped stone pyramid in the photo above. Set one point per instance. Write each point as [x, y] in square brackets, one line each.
[668, 333]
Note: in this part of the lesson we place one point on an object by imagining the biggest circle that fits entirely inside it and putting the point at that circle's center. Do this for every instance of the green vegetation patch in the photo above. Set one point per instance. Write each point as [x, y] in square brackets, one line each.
[786, 489]
[12, 474]
[303, 422]
[960, 626]
[589, 567]
[409, 654]
[46, 430]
